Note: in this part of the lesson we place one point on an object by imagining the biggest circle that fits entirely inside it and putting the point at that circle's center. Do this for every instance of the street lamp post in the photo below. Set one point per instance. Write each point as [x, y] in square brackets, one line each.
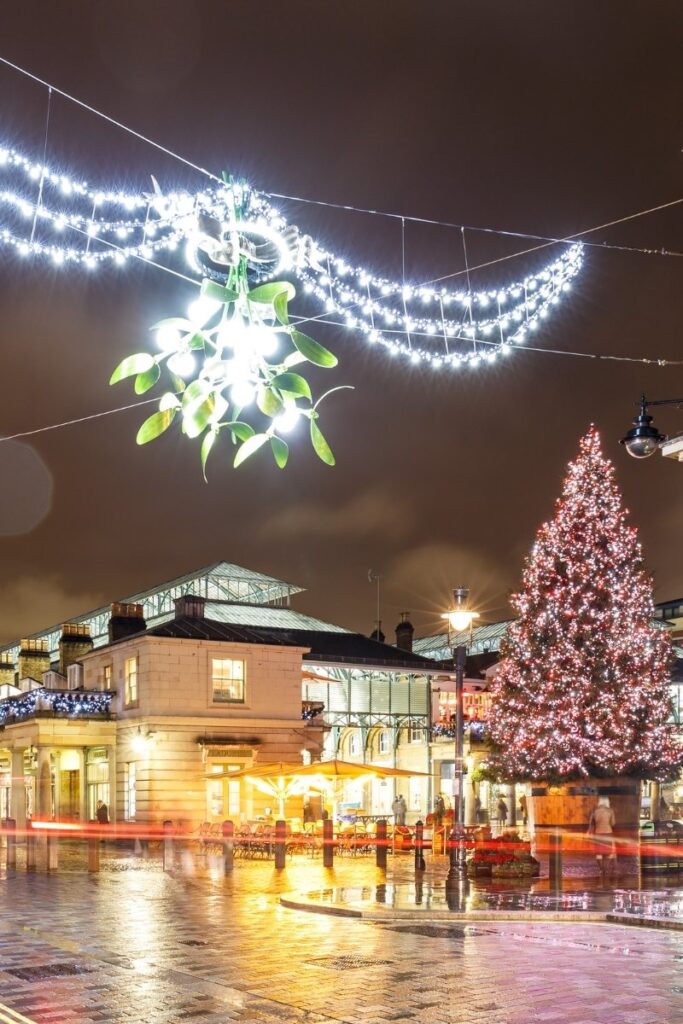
[460, 619]
[643, 439]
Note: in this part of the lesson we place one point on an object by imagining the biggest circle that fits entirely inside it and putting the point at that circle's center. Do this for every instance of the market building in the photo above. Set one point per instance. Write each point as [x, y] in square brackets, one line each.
[151, 704]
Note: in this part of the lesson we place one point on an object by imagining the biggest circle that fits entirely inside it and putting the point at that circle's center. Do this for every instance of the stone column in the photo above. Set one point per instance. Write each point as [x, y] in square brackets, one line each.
[43, 807]
[510, 797]
[655, 796]
[18, 794]
[471, 789]
[113, 795]
[82, 788]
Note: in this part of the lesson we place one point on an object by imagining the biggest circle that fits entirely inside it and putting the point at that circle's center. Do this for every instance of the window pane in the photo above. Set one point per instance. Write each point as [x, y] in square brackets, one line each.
[227, 676]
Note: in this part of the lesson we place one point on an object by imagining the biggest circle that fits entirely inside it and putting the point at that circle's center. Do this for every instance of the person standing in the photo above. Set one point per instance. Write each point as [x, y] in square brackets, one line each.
[102, 813]
[439, 810]
[502, 811]
[601, 826]
[399, 808]
[524, 809]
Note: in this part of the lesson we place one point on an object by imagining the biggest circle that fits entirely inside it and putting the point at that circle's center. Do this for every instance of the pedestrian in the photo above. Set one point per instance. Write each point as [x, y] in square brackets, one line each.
[439, 809]
[102, 813]
[308, 812]
[502, 811]
[601, 827]
[477, 810]
[399, 810]
[524, 809]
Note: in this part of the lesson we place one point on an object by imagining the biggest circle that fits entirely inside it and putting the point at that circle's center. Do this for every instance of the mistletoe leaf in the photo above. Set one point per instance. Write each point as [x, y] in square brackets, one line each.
[269, 403]
[280, 306]
[320, 445]
[294, 359]
[155, 425]
[280, 450]
[179, 322]
[248, 447]
[242, 431]
[217, 292]
[197, 417]
[145, 381]
[207, 444]
[313, 350]
[292, 384]
[132, 365]
[198, 340]
[169, 401]
[267, 293]
[195, 393]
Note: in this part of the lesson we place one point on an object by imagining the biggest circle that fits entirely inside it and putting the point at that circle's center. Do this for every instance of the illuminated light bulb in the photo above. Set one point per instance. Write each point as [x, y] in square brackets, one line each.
[57, 257]
[242, 393]
[168, 338]
[201, 310]
[263, 340]
[287, 420]
[182, 364]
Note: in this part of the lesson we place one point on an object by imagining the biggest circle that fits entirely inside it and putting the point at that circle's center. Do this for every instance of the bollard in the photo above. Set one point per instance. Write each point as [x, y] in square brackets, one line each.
[10, 826]
[168, 846]
[30, 850]
[328, 843]
[93, 855]
[381, 846]
[52, 849]
[419, 847]
[228, 830]
[555, 851]
[280, 844]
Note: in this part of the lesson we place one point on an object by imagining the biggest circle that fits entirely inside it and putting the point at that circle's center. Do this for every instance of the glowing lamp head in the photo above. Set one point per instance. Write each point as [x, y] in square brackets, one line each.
[643, 439]
[460, 617]
[141, 742]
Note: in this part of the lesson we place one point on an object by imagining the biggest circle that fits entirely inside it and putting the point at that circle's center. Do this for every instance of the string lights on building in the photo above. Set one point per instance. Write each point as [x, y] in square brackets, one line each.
[58, 702]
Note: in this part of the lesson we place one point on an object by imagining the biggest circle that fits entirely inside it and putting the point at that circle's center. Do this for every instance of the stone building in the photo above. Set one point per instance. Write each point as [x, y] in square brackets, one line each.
[151, 704]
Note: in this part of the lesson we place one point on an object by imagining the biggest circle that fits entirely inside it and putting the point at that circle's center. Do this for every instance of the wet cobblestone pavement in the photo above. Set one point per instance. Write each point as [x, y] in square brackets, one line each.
[132, 944]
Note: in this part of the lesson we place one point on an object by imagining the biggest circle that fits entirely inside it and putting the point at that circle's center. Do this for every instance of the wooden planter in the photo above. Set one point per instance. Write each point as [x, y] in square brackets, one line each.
[569, 807]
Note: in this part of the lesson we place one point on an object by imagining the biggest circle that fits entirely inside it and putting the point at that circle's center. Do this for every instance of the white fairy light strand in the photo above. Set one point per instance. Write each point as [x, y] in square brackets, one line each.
[387, 313]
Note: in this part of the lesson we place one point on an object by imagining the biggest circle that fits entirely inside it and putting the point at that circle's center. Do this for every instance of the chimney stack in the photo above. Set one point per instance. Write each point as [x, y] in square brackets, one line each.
[404, 633]
[126, 620]
[190, 607]
[34, 659]
[377, 633]
[74, 642]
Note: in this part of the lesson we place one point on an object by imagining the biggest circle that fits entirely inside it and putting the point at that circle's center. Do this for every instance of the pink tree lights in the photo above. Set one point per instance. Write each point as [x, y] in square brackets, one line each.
[583, 685]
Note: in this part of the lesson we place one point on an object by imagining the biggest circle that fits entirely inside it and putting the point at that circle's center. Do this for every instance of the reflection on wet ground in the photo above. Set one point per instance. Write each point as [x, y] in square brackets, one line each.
[590, 896]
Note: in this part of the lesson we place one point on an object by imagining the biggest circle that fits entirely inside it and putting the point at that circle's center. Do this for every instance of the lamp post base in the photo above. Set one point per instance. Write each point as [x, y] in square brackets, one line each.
[457, 857]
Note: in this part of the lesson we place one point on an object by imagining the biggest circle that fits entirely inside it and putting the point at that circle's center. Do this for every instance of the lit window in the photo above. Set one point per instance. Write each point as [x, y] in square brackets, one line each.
[354, 744]
[131, 678]
[416, 733]
[384, 742]
[227, 680]
[129, 791]
[106, 677]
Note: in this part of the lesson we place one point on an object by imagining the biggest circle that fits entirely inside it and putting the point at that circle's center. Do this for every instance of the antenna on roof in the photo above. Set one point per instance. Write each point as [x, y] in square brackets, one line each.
[376, 577]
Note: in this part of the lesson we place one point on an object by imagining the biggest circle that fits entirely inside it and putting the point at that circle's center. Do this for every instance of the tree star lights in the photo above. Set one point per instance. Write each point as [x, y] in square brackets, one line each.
[583, 684]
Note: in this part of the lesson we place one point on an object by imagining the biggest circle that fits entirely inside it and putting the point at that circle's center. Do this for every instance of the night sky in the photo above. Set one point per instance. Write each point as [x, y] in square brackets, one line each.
[540, 117]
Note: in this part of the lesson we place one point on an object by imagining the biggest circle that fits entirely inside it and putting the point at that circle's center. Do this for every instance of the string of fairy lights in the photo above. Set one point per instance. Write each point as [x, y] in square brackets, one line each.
[47, 213]
[422, 322]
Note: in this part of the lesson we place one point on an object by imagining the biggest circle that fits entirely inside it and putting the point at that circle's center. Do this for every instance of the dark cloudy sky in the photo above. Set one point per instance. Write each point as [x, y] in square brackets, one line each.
[534, 116]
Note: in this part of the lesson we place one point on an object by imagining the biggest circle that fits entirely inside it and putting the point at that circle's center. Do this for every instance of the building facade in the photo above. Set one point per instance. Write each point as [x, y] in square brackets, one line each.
[151, 706]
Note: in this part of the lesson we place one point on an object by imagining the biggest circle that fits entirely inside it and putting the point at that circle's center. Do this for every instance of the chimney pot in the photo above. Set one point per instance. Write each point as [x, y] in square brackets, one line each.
[126, 620]
[404, 633]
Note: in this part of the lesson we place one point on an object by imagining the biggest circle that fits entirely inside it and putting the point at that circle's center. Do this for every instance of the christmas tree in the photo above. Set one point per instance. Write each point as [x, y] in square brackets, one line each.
[582, 688]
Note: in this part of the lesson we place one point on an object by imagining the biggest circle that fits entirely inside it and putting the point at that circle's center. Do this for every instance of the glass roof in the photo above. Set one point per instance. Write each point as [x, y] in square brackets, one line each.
[221, 581]
[484, 639]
